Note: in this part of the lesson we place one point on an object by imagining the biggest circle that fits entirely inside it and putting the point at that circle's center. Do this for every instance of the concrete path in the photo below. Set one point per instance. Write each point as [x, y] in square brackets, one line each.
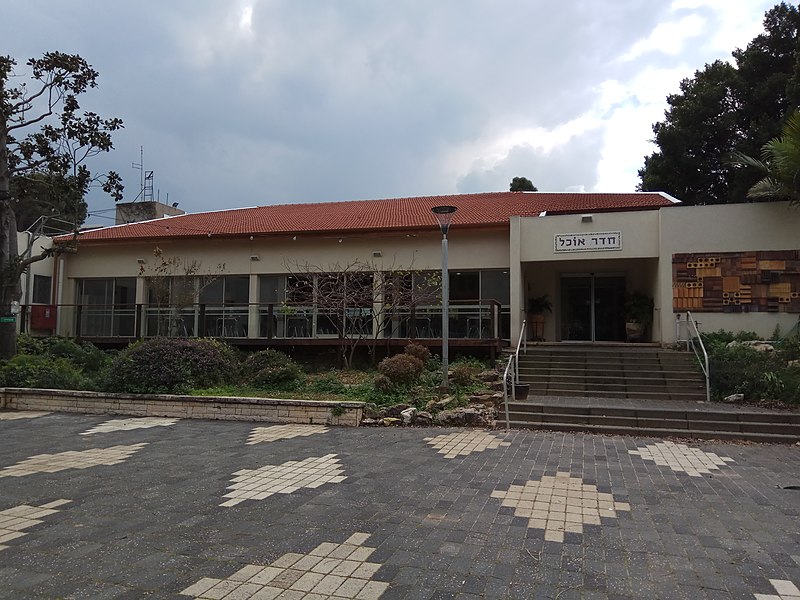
[94, 507]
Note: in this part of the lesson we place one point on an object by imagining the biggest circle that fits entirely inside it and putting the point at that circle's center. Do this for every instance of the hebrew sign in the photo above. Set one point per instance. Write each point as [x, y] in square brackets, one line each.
[587, 242]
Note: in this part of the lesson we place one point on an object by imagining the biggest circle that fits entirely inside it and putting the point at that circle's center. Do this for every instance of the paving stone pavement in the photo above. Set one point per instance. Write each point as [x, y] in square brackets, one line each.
[404, 522]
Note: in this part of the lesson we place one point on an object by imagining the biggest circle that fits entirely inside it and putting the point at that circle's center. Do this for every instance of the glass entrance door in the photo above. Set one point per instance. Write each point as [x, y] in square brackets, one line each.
[593, 308]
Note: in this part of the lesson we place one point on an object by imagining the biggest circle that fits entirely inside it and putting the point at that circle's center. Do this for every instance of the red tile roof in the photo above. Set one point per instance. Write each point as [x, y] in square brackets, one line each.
[474, 210]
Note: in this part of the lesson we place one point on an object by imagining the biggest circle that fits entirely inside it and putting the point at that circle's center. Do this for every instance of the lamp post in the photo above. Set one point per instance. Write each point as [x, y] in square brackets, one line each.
[444, 215]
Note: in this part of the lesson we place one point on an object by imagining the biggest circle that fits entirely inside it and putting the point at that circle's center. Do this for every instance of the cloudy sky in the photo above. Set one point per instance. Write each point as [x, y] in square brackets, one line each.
[252, 102]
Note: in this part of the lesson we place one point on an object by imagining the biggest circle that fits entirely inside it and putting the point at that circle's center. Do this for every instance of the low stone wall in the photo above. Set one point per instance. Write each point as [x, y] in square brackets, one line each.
[186, 407]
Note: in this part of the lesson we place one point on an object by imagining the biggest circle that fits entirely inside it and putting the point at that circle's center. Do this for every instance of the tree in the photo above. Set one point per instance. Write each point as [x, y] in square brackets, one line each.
[723, 108]
[779, 165]
[522, 184]
[45, 143]
[173, 286]
[360, 302]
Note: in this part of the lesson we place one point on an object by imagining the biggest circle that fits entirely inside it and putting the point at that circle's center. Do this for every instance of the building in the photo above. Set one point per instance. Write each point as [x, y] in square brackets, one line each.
[241, 274]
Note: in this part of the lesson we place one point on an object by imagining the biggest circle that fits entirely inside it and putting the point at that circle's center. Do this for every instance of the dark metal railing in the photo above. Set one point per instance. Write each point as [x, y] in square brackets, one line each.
[467, 320]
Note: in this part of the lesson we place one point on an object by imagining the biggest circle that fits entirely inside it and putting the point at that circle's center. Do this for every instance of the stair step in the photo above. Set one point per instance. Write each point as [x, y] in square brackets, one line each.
[649, 432]
[673, 424]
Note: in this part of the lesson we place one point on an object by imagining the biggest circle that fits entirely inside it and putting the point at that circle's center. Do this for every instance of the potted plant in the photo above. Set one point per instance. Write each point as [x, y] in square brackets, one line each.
[638, 316]
[537, 306]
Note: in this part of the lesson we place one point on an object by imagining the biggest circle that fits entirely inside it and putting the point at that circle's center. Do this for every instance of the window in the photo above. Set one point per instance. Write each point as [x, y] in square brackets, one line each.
[107, 307]
[464, 285]
[42, 286]
[226, 306]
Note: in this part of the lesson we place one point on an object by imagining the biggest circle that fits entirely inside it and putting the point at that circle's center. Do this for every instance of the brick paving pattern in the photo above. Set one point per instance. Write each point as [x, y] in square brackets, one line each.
[128, 424]
[84, 459]
[150, 523]
[560, 504]
[786, 591]
[681, 458]
[328, 571]
[258, 484]
[14, 520]
[464, 443]
[21, 414]
[274, 433]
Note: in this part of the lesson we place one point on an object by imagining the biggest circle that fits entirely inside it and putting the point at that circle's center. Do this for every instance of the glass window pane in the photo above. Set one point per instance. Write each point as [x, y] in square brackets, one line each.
[464, 285]
[42, 285]
[237, 289]
[495, 286]
[211, 293]
[271, 289]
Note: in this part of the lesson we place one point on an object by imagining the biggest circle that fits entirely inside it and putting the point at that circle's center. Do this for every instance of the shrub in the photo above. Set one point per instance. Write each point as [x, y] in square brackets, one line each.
[462, 375]
[172, 365]
[401, 369]
[271, 368]
[757, 375]
[789, 348]
[29, 371]
[84, 355]
[421, 352]
[327, 384]
[382, 383]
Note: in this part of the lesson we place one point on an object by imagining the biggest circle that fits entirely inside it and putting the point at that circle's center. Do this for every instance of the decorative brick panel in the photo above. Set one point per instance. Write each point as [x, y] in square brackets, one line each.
[730, 282]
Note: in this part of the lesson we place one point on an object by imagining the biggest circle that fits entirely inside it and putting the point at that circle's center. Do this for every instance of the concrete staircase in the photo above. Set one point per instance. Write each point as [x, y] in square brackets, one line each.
[634, 390]
[621, 371]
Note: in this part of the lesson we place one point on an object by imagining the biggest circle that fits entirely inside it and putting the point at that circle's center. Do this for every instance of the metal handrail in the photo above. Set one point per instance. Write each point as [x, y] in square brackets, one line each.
[691, 344]
[522, 341]
[513, 360]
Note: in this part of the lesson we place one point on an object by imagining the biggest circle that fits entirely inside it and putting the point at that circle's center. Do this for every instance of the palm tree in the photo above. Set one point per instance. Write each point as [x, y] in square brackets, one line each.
[780, 164]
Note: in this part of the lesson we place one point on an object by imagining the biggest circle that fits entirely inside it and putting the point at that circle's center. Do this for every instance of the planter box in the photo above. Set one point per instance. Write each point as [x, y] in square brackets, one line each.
[521, 391]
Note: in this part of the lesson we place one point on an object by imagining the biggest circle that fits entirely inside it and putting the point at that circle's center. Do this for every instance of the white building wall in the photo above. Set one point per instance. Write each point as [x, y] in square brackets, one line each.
[726, 228]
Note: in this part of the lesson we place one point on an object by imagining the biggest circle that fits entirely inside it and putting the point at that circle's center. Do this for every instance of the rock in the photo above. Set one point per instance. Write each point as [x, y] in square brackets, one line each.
[394, 411]
[491, 375]
[371, 411]
[496, 386]
[423, 418]
[409, 415]
[793, 363]
[370, 422]
[389, 421]
[757, 345]
[472, 415]
[487, 400]
[734, 398]
[444, 402]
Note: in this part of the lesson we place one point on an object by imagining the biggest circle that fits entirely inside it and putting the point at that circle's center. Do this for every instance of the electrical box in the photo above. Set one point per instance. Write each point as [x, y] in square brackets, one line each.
[43, 316]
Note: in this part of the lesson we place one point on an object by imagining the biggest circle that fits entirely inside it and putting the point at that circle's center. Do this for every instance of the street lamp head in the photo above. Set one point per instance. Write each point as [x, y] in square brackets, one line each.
[444, 215]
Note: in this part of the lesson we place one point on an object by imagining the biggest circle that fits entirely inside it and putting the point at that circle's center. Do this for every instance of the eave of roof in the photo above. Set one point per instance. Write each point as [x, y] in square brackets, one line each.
[485, 210]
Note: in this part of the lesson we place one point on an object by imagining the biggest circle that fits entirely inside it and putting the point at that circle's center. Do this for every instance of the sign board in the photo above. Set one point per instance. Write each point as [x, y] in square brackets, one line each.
[8, 319]
[587, 242]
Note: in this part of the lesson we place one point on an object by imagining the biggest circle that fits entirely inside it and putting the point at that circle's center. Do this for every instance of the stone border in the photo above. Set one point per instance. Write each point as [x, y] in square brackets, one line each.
[224, 408]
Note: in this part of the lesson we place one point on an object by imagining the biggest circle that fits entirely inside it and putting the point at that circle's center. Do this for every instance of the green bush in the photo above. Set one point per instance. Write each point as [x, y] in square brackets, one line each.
[30, 371]
[327, 384]
[84, 355]
[789, 348]
[272, 369]
[401, 369]
[382, 383]
[172, 365]
[743, 370]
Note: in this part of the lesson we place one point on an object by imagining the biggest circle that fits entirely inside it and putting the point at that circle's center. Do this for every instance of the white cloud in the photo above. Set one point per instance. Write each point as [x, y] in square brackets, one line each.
[668, 38]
